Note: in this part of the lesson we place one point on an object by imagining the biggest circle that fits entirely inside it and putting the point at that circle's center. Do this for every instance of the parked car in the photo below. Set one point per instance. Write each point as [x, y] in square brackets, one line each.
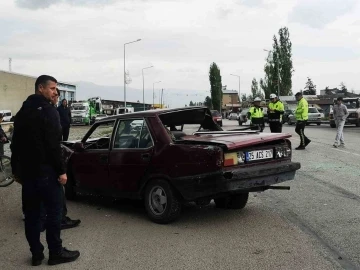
[243, 116]
[353, 106]
[7, 116]
[313, 114]
[233, 116]
[217, 117]
[166, 167]
[285, 117]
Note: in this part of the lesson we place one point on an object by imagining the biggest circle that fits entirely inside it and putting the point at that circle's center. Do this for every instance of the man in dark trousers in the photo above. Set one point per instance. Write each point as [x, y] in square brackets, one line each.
[275, 112]
[37, 163]
[65, 119]
[66, 222]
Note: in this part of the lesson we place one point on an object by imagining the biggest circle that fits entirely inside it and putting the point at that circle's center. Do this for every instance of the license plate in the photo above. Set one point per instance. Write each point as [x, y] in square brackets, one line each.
[258, 155]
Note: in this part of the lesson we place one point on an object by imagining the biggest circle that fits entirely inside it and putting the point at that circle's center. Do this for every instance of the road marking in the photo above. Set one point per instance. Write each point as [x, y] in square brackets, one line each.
[346, 152]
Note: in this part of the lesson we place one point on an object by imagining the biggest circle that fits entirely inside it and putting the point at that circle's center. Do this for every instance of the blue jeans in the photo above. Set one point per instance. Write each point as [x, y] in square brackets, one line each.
[43, 195]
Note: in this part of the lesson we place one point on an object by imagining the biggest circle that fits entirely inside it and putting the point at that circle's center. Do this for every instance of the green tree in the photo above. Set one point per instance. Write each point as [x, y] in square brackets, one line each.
[191, 103]
[208, 102]
[310, 88]
[279, 65]
[343, 88]
[216, 86]
[255, 90]
[243, 97]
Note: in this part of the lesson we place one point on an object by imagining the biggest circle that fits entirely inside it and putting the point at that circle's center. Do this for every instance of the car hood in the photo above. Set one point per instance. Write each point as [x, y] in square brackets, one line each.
[352, 110]
[236, 140]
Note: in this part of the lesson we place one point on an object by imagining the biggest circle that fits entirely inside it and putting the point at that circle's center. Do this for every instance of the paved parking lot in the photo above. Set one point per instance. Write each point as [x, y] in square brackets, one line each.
[315, 225]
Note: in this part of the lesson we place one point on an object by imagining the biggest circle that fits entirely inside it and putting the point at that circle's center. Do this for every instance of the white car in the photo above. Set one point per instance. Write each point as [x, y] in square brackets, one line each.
[6, 115]
[233, 116]
[136, 125]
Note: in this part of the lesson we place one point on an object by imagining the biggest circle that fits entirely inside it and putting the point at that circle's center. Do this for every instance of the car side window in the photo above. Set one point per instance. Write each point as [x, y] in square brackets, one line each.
[101, 136]
[132, 134]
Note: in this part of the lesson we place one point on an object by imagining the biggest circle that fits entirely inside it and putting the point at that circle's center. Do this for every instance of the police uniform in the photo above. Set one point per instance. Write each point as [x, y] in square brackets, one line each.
[301, 114]
[275, 117]
[256, 117]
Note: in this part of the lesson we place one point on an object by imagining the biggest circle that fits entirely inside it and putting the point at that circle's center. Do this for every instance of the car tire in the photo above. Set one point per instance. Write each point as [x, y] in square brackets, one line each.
[289, 122]
[333, 125]
[70, 192]
[240, 123]
[318, 124]
[236, 201]
[162, 204]
[220, 124]
[358, 124]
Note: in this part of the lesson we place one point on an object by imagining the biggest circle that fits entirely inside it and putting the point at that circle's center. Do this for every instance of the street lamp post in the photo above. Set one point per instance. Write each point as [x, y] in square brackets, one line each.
[239, 86]
[125, 71]
[154, 93]
[144, 85]
[278, 69]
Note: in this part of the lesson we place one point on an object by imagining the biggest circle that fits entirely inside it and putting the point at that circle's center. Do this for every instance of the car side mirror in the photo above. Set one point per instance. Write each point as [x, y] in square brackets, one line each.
[78, 147]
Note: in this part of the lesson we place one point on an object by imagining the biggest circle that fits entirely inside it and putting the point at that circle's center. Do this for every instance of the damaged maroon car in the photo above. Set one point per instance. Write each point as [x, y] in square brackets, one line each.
[169, 157]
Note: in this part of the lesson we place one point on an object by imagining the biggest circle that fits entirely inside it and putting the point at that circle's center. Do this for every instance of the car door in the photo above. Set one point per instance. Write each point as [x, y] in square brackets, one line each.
[91, 165]
[131, 155]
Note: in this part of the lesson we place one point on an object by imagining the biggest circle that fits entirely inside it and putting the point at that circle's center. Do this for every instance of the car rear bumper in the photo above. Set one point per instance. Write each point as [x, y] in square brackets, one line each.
[351, 121]
[235, 180]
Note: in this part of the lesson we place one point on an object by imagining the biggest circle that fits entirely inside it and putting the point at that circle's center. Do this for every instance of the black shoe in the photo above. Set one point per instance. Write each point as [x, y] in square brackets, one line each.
[64, 256]
[307, 142]
[301, 147]
[37, 259]
[68, 223]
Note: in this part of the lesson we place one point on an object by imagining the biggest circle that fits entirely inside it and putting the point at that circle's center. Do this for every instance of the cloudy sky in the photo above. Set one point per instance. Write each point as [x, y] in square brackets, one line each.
[82, 40]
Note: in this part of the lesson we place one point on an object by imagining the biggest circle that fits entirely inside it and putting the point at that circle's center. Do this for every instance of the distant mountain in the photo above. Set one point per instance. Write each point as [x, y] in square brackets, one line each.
[172, 97]
[85, 90]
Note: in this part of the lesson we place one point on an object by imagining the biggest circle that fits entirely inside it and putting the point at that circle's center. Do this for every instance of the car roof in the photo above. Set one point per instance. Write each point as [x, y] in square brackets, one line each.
[151, 113]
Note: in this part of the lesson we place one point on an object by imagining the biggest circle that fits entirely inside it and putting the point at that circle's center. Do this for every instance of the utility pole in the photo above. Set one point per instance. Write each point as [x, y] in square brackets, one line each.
[10, 60]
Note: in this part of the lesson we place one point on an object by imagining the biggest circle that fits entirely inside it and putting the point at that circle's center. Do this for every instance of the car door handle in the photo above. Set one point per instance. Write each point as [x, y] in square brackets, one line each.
[145, 156]
[104, 158]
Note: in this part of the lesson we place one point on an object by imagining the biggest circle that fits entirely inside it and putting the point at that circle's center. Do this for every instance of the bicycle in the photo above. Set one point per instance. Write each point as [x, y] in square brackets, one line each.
[6, 177]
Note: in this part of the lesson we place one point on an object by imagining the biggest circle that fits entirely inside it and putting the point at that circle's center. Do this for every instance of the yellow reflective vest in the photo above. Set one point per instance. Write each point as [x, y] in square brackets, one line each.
[256, 112]
[276, 116]
[301, 112]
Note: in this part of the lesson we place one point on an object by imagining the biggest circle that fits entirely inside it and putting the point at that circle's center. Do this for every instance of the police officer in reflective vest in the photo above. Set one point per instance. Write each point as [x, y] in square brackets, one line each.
[256, 115]
[275, 112]
[301, 114]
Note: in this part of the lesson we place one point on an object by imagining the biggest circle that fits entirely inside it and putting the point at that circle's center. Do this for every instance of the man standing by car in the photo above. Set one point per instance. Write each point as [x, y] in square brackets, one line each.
[301, 114]
[340, 115]
[36, 161]
[256, 115]
[66, 222]
[3, 137]
[65, 119]
[275, 112]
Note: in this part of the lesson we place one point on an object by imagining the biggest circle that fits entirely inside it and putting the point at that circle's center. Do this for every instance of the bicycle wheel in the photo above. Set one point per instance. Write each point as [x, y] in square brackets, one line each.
[6, 177]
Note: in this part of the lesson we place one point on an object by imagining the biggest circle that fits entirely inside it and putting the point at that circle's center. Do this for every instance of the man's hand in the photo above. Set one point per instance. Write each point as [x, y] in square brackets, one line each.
[63, 179]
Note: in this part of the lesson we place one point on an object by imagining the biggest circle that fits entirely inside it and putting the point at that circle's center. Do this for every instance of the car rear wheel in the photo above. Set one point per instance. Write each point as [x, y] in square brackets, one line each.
[318, 124]
[333, 125]
[240, 123]
[289, 122]
[236, 201]
[161, 202]
[220, 124]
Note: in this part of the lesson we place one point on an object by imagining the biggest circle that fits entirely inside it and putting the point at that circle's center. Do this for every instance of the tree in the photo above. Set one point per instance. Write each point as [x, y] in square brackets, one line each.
[255, 91]
[243, 97]
[343, 88]
[191, 103]
[310, 88]
[208, 102]
[279, 64]
[216, 86]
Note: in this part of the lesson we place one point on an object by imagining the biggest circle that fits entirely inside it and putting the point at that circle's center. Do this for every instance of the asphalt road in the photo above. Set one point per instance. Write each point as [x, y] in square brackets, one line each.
[315, 225]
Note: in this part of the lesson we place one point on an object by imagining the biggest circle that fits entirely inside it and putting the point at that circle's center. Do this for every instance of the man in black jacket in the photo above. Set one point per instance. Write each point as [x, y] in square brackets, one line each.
[36, 161]
[65, 119]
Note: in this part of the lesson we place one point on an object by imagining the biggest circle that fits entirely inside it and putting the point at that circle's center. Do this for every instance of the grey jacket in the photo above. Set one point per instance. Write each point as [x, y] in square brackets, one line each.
[340, 112]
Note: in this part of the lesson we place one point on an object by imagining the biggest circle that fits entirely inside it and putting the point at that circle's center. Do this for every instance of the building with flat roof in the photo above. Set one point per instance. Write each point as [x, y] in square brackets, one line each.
[15, 88]
[230, 100]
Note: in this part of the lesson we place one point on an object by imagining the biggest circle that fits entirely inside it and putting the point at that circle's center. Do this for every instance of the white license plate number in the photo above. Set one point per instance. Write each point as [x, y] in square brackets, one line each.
[258, 155]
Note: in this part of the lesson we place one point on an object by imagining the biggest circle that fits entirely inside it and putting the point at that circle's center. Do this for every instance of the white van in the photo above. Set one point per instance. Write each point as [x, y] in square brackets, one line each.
[6, 114]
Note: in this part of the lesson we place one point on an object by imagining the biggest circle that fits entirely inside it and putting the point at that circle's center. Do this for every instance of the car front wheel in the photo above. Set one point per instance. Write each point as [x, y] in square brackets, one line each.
[161, 202]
